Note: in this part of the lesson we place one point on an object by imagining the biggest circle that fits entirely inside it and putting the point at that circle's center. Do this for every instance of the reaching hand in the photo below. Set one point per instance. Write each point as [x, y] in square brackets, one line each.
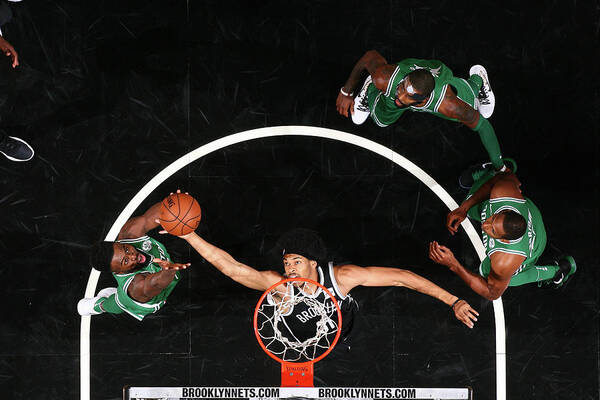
[465, 313]
[441, 255]
[454, 219]
[164, 264]
[163, 231]
[9, 51]
[343, 103]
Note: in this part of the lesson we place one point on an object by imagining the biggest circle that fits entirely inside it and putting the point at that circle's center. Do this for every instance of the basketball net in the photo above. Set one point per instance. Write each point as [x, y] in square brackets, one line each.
[297, 322]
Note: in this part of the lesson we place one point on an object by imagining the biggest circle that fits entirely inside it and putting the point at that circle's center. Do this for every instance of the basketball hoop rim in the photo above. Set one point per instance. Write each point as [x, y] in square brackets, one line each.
[259, 339]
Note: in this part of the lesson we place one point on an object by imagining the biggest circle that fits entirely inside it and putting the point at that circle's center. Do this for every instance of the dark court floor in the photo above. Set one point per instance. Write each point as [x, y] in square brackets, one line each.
[109, 93]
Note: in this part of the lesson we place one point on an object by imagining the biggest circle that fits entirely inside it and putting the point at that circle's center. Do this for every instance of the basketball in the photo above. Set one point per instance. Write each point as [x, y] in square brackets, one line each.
[180, 214]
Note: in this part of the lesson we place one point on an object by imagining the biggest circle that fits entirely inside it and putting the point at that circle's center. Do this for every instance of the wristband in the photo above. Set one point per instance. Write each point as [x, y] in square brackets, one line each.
[453, 304]
[344, 93]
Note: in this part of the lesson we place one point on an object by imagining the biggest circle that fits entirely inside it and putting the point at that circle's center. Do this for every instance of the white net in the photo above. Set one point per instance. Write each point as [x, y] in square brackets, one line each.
[299, 322]
[289, 393]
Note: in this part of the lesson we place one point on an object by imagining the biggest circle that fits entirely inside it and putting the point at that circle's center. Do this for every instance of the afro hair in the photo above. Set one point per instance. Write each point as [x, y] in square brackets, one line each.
[101, 254]
[304, 242]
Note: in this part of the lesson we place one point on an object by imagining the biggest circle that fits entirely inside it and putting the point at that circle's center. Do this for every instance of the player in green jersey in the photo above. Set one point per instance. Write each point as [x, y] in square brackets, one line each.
[422, 86]
[141, 266]
[513, 235]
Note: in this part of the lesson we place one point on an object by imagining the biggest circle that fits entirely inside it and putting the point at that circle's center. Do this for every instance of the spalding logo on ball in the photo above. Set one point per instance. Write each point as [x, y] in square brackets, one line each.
[180, 214]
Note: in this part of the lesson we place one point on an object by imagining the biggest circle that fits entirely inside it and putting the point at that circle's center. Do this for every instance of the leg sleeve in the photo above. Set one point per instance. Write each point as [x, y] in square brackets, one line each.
[534, 273]
[475, 81]
[490, 142]
[107, 304]
[529, 273]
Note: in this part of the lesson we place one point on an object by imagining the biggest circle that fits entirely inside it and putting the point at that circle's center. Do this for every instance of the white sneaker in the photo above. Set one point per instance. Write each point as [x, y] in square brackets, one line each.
[361, 104]
[485, 98]
[85, 306]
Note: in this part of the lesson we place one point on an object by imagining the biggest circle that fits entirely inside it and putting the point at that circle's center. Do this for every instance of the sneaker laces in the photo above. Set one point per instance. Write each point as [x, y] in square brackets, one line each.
[363, 104]
[483, 93]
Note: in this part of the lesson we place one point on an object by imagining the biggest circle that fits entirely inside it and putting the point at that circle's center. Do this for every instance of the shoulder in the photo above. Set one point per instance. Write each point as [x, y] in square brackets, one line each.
[271, 276]
[507, 185]
[348, 276]
[504, 264]
[130, 231]
[266, 279]
[382, 76]
[348, 273]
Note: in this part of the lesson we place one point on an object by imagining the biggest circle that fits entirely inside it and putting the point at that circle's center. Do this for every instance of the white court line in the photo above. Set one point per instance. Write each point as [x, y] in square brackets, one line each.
[290, 131]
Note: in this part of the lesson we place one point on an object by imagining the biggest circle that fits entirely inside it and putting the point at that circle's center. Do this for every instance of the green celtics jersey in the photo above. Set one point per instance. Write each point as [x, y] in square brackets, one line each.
[388, 112]
[154, 250]
[530, 245]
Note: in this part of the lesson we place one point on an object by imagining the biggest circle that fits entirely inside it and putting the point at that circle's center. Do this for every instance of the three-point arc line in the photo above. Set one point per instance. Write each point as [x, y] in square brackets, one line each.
[310, 131]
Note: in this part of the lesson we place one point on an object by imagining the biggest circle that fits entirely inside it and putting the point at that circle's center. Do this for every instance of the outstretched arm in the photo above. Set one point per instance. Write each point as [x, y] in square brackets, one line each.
[224, 262]
[350, 276]
[145, 286]
[138, 226]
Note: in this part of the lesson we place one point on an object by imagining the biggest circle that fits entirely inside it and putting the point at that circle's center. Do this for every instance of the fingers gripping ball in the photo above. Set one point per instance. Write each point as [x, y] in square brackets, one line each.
[180, 214]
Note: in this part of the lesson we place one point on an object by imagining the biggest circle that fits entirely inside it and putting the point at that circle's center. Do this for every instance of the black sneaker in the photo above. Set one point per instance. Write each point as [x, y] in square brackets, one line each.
[472, 174]
[16, 149]
[567, 267]
[468, 177]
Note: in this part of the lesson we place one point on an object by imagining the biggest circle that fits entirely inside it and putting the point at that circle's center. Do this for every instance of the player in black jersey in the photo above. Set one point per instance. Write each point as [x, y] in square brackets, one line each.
[301, 249]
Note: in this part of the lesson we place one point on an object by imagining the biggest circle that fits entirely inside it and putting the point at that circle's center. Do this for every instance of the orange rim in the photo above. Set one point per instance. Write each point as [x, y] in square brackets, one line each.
[335, 340]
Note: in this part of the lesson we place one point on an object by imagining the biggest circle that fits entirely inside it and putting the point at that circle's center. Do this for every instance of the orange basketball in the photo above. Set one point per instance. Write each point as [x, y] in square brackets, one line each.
[180, 214]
